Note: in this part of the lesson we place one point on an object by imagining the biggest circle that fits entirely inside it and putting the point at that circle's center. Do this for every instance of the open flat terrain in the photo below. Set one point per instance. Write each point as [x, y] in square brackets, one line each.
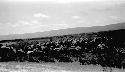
[52, 67]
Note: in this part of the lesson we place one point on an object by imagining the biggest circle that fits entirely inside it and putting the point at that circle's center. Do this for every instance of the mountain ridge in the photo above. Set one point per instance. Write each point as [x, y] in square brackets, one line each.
[68, 31]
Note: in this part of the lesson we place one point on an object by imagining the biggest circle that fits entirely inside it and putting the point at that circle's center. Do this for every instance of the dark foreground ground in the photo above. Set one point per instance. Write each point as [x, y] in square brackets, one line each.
[53, 67]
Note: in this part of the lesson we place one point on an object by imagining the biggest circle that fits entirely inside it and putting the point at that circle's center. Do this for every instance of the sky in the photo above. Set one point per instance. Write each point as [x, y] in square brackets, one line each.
[29, 16]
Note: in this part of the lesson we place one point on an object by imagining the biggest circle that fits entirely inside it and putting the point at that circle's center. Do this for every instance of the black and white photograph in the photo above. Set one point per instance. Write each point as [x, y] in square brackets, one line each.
[62, 35]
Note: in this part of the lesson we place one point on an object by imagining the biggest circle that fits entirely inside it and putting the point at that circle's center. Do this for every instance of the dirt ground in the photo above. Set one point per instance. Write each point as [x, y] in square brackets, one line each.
[53, 67]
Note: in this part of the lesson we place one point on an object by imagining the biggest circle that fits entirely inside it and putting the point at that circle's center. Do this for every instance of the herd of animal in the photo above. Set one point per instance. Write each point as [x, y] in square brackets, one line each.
[92, 49]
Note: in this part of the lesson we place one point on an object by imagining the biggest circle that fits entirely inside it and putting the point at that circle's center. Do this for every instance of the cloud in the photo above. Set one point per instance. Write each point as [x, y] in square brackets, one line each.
[81, 21]
[1, 24]
[37, 15]
[116, 17]
[60, 24]
[25, 23]
[35, 22]
[58, 1]
[5, 23]
[76, 17]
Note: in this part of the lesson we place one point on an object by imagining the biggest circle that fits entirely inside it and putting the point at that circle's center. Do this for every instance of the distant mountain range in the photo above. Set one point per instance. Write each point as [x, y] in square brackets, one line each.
[76, 30]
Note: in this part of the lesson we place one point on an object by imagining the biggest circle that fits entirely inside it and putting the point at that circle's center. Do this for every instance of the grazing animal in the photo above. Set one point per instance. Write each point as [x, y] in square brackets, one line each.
[6, 53]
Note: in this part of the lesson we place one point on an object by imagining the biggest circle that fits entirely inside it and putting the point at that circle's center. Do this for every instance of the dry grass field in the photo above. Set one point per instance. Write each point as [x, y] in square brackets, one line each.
[53, 67]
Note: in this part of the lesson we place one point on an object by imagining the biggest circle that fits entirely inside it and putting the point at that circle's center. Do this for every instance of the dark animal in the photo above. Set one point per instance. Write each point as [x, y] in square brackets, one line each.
[7, 54]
